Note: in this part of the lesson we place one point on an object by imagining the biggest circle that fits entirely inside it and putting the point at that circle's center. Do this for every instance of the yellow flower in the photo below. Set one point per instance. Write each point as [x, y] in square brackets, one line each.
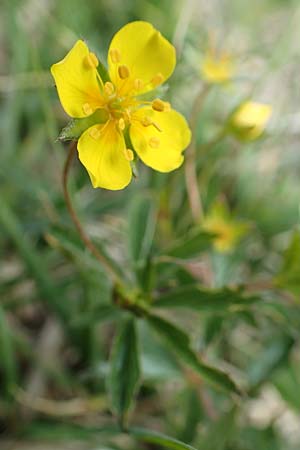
[139, 60]
[229, 231]
[217, 68]
[248, 122]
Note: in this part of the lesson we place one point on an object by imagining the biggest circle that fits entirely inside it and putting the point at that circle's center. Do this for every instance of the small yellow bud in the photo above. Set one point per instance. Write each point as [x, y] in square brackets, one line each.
[123, 72]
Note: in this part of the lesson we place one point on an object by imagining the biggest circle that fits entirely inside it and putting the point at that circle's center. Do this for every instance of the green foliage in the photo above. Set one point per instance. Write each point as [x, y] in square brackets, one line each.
[149, 360]
[125, 369]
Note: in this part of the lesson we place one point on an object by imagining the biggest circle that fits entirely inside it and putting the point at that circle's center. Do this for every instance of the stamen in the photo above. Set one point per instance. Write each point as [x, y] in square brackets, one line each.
[115, 55]
[123, 72]
[146, 121]
[128, 154]
[87, 109]
[154, 142]
[109, 88]
[91, 60]
[95, 133]
[157, 79]
[138, 84]
[159, 105]
[121, 124]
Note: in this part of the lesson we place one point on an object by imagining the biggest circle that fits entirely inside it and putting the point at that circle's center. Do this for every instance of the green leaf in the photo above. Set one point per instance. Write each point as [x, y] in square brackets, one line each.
[142, 222]
[141, 228]
[159, 439]
[201, 299]
[124, 369]
[289, 275]
[219, 433]
[180, 343]
[275, 354]
[7, 354]
[191, 246]
[76, 127]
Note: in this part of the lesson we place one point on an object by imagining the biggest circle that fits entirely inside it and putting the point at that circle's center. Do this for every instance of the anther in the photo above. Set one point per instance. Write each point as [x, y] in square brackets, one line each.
[159, 105]
[91, 60]
[115, 55]
[146, 121]
[87, 109]
[128, 154]
[121, 124]
[123, 72]
[154, 142]
[109, 88]
[157, 79]
[138, 84]
[95, 133]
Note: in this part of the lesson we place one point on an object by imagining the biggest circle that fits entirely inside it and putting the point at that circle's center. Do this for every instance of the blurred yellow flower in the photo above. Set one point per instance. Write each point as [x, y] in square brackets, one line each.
[217, 68]
[228, 230]
[139, 60]
[248, 122]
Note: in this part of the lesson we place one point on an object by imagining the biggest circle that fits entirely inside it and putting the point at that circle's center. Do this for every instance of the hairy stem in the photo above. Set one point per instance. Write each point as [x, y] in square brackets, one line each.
[84, 237]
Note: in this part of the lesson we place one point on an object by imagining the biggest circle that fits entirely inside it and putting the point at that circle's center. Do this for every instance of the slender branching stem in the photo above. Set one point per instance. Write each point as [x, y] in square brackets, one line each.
[84, 237]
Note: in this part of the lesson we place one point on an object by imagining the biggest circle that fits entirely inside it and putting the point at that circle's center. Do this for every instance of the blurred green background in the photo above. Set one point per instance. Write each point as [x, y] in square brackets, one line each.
[56, 322]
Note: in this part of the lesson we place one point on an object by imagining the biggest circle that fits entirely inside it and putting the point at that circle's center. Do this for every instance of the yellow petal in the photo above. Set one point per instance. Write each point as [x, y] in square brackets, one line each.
[160, 145]
[148, 56]
[76, 81]
[102, 151]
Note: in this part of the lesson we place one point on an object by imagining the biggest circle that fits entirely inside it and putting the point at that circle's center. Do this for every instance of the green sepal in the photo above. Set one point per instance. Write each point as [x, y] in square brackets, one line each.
[76, 127]
[103, 72]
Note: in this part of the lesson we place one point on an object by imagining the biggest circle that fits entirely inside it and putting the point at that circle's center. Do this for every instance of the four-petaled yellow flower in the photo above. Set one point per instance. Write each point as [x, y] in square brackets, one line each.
[139, 60]
[249, 121]
[217, 68]
[228, 230]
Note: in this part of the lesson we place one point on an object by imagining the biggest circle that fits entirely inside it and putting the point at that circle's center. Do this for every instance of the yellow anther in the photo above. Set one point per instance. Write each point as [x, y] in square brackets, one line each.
[87, 109]
[146, 121]
[157, 79]
[121, 124]
[95, 133]
[138, 84]
[115, 55]
[154, 142]
[123, 72]
[159, 105]
[128, 154]
[109, 88]
[91, 60]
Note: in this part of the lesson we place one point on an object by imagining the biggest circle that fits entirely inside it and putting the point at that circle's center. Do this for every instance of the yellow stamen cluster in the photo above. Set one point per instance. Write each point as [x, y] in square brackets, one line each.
[109, 88]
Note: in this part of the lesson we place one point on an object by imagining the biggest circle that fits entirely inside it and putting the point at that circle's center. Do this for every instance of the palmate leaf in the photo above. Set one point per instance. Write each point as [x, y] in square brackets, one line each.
[179, 342]
[198, 298]
[124, 369]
